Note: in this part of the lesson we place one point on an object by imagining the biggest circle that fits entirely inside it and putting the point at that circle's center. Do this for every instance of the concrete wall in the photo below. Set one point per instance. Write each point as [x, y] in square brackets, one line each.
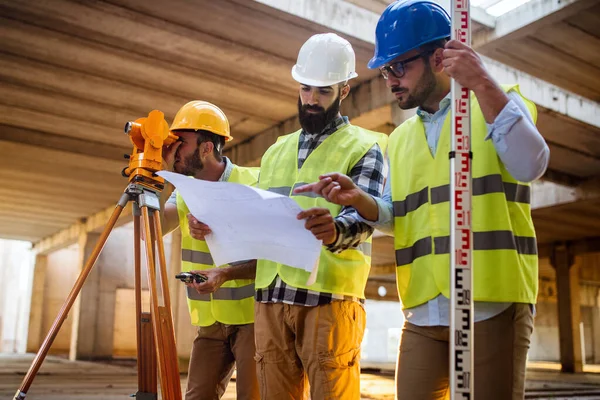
[16, 267]
[113, 303]
[61, 273]
[545, 338]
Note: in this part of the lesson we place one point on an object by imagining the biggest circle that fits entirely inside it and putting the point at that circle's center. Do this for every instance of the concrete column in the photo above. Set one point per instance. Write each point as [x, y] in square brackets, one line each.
[569, 315]
[596, 328]
[85, 308]
[36, 313]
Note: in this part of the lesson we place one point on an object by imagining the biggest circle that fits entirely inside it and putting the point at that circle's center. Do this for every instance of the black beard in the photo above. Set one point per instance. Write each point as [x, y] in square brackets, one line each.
[316, 123]
[421, 92]
[191, 165]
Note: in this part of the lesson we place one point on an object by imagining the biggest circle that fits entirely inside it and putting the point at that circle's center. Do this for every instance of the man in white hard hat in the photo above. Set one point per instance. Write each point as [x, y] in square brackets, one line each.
[313, 332]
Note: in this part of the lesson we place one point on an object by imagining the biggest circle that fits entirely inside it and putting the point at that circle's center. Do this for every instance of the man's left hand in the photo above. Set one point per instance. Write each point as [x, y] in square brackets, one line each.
[320, 222]
[464, 65]
[215, 278]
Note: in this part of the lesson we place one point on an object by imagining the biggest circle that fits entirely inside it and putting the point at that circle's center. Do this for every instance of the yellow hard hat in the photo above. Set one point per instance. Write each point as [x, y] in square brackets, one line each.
[202, 115]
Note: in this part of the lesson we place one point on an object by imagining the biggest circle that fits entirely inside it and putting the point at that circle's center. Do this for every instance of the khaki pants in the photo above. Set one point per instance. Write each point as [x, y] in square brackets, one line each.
[321, 345]
[215, 351]
[501, 345]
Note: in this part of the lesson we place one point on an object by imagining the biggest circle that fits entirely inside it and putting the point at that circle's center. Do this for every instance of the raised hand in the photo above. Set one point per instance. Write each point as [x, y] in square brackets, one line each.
[334, 187]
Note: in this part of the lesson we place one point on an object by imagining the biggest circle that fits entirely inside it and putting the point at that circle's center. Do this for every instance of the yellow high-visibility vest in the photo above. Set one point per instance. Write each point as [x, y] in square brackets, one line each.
[341, 273]
[233, 302]
[505, 257]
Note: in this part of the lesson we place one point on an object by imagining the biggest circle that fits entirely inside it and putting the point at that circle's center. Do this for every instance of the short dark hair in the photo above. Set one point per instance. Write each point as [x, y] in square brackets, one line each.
[218, 142]
[433, 46]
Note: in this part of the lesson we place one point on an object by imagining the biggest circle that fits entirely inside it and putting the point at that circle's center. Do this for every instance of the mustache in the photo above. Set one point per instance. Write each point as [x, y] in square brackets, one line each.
[306, 107]
[396, 89]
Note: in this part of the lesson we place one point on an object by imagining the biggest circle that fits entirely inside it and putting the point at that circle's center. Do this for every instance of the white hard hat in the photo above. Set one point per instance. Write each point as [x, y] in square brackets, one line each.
[324, 60]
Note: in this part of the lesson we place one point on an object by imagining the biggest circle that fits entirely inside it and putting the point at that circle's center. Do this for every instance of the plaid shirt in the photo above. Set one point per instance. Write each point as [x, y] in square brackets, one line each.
[368, 174]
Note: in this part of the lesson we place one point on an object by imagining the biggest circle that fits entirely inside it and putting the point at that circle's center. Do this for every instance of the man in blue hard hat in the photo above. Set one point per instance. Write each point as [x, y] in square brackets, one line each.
[418, 61]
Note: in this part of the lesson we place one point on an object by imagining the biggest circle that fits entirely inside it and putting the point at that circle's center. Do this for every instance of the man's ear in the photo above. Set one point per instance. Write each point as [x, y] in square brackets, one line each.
[206, 149]
[345, 91]
[437, 59]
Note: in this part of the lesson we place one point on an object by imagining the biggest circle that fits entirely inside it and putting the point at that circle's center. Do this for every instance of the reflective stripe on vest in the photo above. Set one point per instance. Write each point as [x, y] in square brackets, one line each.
[504, 243]
[514, 192]
[342, 273]
[494, 240]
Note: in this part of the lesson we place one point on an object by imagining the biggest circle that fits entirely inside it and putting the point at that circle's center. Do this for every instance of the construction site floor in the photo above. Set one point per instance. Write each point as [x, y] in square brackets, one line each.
[67, 380]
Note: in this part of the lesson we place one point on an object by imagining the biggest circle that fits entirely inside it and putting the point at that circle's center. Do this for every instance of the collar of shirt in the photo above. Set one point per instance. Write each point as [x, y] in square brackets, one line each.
[444, 107]
[328, 130]
[227, 172]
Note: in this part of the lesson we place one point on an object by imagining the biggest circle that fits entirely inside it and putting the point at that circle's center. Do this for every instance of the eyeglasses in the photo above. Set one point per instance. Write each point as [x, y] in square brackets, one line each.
[397, 69]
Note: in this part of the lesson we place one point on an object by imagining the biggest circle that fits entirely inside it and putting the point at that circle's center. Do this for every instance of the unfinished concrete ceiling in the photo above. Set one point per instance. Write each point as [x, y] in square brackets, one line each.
[73, 72]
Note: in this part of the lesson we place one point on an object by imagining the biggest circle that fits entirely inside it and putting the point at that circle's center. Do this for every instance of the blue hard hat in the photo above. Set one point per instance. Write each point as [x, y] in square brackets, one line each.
[405, 25]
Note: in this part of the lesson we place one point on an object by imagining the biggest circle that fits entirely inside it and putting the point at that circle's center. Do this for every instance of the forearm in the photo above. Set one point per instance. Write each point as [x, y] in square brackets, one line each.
[366, 206]
[351, 230]
[243, 270]
[491, 99]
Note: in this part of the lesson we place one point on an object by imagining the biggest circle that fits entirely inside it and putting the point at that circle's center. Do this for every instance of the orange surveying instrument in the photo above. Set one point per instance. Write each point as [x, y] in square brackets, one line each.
[155, 334]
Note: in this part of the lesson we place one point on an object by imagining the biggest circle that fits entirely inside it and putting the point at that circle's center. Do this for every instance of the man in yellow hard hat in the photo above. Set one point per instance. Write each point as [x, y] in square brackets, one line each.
[418, 62]
[222, 307]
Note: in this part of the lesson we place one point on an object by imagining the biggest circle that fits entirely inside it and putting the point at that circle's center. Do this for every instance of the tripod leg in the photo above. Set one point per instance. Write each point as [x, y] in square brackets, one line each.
[146, 355]
[162, 321]
[64, 311]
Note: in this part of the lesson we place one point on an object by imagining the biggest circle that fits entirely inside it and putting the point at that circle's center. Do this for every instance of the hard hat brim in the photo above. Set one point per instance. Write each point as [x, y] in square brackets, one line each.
[316, 82]
[377, 62]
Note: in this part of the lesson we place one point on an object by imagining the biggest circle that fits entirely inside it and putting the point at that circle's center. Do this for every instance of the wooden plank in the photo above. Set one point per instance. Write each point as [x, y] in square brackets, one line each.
[25, 214]
[56, 125]
[66, 180]
[571, 40]
[97, 59]
[134, 31]
[61, 105]
[569, 68]
[572, 162]
[582, 137]
[12, 153]
[527, 20]
[256, 26]
[63, 190]
[63, 143]
[28, 232]
[137, 99]
[530, 65]
[588, 21]
[39, 201]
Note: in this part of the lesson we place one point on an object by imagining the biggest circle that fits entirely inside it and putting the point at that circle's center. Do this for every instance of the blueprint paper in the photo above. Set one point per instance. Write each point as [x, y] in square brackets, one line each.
[249, 223]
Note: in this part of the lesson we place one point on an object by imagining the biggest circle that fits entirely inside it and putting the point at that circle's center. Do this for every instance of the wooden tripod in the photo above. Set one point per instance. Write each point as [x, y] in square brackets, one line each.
[155, 334]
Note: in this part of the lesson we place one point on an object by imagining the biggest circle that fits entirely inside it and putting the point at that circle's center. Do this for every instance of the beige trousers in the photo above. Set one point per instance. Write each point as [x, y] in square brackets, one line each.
[299, 347]
[216, 349]
[501, 345]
